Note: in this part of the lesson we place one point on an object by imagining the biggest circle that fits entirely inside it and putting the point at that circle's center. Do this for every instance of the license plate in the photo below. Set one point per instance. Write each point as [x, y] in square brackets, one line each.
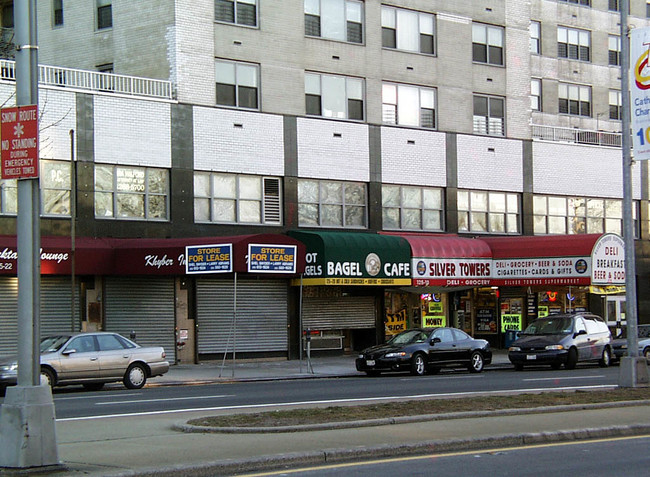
[370, 362]
[531, 356]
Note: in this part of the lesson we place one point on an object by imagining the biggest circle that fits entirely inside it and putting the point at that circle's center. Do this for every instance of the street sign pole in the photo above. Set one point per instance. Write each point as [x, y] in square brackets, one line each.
[27, 420]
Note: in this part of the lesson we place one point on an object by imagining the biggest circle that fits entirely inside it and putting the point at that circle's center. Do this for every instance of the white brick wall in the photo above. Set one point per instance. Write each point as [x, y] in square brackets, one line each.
[323, 154]
[238, 141]
[413, 157]
[575, 170]
[490, 163]
[133, 132]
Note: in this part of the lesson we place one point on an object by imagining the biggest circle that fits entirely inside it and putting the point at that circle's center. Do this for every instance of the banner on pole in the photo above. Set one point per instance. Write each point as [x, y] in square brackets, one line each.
[640, 92]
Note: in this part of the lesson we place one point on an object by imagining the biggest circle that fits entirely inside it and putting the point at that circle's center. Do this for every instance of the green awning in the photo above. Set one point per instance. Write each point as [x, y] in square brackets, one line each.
[355, 258]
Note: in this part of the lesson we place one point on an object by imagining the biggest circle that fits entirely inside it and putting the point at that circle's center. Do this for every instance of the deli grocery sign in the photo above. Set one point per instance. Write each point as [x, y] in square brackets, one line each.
[19, 134]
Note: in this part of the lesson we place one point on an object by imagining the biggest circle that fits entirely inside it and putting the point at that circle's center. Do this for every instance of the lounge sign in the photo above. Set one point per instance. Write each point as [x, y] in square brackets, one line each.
[208, 258]
[268, 258]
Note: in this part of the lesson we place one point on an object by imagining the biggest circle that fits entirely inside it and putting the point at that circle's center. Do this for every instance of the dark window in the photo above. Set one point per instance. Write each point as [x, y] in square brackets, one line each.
[355, 32]
[427, 118]
[614, 112]
[313, 104]
[57, 9]
[226, 94]
[426, 44]
[246, 14]
[224, 11]
[247, 97]
[355, 109]
[388, 37]
[614, 5]
[479, 52]
[104, 17]
[238, 12]
[312, 25]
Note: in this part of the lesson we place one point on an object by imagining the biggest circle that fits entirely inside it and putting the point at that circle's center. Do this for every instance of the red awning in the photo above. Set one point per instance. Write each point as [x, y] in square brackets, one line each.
[144, 256]
[92, 256]
[579, 245]
[445, 246]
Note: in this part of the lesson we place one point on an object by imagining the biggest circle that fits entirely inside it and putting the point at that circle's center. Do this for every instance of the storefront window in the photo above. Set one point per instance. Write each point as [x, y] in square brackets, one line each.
[331, 204]
[488, 212]
[131, 192]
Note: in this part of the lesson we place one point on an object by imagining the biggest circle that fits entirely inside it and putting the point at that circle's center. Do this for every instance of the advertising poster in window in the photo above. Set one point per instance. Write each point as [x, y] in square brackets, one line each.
[485, 321]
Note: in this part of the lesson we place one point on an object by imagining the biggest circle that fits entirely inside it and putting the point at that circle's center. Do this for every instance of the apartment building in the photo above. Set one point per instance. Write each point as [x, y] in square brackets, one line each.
[425, 136]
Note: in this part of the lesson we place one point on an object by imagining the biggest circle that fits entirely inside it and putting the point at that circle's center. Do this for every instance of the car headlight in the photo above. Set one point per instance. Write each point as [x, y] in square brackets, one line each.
[514, 348]
[360, 356]
[399, 354]
[554, 347]
[624, 346]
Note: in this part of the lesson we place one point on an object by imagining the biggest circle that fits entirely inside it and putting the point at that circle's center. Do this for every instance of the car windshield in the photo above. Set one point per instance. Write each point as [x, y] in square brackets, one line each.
[407, 337]
[550, 326]
[50, 344]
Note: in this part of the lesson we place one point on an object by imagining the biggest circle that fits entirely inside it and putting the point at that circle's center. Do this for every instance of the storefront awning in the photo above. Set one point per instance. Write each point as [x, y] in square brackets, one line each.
[448, 260]
[168, 256]
[92, 256]
[354, 258]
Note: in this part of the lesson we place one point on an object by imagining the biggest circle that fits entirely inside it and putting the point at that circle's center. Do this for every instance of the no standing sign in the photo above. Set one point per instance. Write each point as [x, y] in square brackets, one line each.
[19, 135]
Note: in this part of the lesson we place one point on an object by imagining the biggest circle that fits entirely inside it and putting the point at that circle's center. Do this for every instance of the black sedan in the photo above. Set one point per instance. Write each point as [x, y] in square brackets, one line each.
[422, 350]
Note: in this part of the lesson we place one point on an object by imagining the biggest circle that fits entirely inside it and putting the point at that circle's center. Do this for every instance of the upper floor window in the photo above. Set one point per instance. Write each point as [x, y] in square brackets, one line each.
[579, 215]
[536, 94]
[237, 84]
[614, 50]
[647, 9]
[487, 44]
[412, 208]
[55, 184]
[104, 14]
[57, 12]
[335, 19]
[409, 105]
[233, 198]
[574, 99]
[573, 44]
[535, 37]
[324, 203]
[614, 5]
[126, 192]
[240, 12]
[487, 211]
[334, 96]
[586, 3]
[489, 115]
[615, 104]
[407, 30]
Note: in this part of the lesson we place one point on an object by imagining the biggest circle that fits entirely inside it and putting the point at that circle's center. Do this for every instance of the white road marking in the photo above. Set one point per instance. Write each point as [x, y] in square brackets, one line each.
[188, 398]
[567, 377]
[94, 396]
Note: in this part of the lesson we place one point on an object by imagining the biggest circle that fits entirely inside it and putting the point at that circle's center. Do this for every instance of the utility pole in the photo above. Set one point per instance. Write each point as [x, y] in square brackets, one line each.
[27, 421]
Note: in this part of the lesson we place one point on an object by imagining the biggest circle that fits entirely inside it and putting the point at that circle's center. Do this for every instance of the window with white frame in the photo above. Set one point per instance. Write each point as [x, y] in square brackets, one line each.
[579, 215]
[55, 184]
[104, 14]
[489, 115]
[574, 99]
[408, 30]
[585, 3]
[332, 96]
[615, 104]
[57, 13]
[487, 44]
[409, 105]
[130, 192]
[573, 44]
[236, 198]
[237, 84]
[239, 12]
[488, 212]
[536, 94]
[324, 203]
[334, 19]
[614, 56]
[535, 37]
[412, 208]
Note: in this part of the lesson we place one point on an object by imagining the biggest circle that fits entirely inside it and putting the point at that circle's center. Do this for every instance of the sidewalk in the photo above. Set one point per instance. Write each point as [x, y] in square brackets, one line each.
[153, 444]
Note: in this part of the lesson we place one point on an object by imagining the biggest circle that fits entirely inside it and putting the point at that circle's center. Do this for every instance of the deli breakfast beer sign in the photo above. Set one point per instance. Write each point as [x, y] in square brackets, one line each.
[19, 136]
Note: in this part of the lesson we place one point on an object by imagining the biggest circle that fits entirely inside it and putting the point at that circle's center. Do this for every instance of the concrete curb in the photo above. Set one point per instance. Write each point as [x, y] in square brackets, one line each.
[189, 428]
[329, 456]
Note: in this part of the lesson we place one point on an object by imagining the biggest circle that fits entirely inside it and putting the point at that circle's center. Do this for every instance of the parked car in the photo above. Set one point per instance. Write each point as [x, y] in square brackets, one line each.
[91, 359]
[619, 347]
[422, 350]
[563, 340]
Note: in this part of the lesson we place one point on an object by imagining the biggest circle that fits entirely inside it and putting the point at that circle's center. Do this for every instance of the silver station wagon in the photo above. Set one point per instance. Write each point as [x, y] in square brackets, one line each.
[92, 359]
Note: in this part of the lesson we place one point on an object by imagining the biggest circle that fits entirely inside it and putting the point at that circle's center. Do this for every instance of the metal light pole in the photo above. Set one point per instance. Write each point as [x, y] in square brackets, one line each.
[27, 420]
[633, 370]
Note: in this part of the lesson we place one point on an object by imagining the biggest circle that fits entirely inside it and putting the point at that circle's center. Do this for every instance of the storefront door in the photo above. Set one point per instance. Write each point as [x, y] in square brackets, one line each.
[615, 312]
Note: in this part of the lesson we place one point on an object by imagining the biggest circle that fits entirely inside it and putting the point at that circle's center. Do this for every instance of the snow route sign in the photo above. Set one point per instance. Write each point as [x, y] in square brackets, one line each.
[19, 136]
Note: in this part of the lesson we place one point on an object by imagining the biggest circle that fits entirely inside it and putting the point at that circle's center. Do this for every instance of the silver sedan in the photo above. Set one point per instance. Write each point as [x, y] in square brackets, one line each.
[92, 359]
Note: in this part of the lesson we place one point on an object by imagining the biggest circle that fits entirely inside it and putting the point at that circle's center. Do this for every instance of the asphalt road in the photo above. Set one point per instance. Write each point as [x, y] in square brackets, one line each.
[612, 457]
[115, 400]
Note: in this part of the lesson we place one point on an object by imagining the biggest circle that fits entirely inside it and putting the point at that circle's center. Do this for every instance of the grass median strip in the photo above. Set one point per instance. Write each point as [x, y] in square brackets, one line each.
[316, 415]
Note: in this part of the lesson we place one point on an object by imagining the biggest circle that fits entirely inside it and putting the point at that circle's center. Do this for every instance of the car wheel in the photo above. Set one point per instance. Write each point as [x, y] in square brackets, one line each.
[418, 366]
[572, 359]
[519, 367]
[606, 359]
[373, 373]
[47, 377]
[135, 377]
[93, 386]
[646, 353]
[476, 362]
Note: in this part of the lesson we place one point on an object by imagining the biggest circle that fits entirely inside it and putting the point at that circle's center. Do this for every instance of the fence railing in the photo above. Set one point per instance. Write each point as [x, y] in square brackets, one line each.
[93, 81]
[578, 136]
